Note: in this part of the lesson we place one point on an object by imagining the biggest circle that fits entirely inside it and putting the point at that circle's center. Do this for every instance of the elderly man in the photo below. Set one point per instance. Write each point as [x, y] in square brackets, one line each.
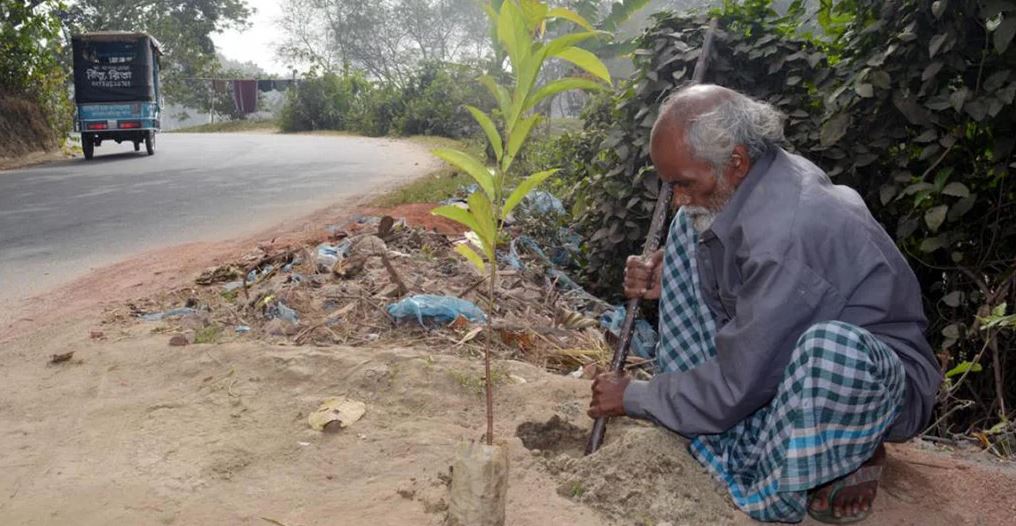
[791, 328]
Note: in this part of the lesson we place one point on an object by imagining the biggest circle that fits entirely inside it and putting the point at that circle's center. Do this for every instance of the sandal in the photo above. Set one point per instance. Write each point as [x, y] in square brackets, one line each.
[864, 474]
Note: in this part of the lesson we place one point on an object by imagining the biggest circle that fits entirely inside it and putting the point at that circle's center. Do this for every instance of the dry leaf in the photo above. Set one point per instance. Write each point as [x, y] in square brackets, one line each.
[336, 413]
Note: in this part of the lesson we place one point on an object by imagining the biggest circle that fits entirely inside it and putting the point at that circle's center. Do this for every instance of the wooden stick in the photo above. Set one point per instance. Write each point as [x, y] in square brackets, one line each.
[656, 228]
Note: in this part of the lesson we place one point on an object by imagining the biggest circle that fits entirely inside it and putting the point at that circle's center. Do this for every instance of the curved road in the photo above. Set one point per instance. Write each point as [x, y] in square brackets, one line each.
[60, 220]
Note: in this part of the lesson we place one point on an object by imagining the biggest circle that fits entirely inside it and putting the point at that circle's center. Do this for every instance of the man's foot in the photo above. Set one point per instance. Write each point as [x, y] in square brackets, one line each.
[848, 499]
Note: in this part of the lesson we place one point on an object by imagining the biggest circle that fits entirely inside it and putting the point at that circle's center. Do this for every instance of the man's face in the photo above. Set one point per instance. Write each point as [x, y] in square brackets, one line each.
[698, 187]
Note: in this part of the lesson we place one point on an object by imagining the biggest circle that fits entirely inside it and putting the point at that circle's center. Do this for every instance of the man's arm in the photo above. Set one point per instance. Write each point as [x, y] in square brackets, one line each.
[777, 301]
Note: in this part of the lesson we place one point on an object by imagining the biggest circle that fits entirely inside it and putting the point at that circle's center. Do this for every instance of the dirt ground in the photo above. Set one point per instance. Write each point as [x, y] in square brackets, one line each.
[133, 431]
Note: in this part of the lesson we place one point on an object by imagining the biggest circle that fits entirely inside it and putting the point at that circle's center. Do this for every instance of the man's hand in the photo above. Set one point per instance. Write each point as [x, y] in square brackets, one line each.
[608, 395]
[643, 276]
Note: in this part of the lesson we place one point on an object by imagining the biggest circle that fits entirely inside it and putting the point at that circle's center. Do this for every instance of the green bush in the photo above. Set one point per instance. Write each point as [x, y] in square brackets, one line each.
[910, 102]
[431, 103]
[327, 102]
[30, 47]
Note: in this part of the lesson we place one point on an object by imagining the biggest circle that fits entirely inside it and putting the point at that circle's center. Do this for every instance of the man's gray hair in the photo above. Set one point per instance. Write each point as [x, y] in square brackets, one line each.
[738, 119]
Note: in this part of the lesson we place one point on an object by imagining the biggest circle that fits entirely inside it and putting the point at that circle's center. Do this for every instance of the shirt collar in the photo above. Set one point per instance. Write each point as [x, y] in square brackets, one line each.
[724, 221]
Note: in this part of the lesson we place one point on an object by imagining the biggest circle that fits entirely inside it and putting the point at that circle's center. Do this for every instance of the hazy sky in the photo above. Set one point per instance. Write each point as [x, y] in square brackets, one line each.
[256, 44]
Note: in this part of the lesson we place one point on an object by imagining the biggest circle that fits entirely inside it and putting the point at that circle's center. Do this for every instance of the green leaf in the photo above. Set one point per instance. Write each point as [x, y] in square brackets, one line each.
[953, 298]
[469, 164]
[961, 207]
[934, 217]
[489, 128]
[499, 93]
[459, 215]
[963, 367]
[557, 86]
[585, 60]
[935, 44]
[887, 193]
[511, 31]
[956, 190]
[1004, 33]
[931, 70]
[527, 185]
[567, 14]
[834, 129]
[471, 255]
[938, 7]
[932, 244]
[517, 137]
[483, 213]
[958, 97]
[566, 41]
[864, 90]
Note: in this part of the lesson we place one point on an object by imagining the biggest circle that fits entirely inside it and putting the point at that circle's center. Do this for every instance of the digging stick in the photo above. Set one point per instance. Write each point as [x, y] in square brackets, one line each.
[656, 228]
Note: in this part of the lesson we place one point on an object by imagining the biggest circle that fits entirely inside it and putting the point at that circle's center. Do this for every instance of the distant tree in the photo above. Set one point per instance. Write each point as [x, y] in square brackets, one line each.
[387, 39]
[184, 27]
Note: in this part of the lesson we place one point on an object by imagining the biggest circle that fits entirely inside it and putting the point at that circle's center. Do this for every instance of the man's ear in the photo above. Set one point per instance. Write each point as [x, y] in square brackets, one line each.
[740, 164]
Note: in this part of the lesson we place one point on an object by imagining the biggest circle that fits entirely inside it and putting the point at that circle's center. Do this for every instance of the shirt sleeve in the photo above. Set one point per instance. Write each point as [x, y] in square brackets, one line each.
[778, 298]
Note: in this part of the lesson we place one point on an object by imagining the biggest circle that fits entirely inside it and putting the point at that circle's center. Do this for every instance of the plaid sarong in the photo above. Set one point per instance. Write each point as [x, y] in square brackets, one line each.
[839, 394]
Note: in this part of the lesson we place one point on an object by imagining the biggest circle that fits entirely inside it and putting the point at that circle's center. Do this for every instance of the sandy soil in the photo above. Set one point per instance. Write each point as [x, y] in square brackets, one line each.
[133, 431]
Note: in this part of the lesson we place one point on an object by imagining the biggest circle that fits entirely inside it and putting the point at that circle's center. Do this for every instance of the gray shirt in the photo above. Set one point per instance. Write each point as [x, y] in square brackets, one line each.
[788, 251]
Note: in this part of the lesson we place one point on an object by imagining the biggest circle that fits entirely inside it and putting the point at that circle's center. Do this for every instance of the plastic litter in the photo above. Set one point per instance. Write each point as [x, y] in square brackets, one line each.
[327, 255]
[172, 313]
[231, 286]
[280, 310]
[541, 203]
[430, 310]
[242, 329]
[643, 340]
[252, 276]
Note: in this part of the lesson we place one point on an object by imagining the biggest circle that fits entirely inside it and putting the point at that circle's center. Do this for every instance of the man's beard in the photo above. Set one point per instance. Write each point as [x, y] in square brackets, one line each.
[702, 217]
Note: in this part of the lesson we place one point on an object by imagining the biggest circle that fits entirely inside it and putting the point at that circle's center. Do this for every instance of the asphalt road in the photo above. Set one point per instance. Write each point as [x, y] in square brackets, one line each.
[60, 220]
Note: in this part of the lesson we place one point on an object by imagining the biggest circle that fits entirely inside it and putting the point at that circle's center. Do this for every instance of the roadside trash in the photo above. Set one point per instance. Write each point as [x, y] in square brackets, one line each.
[217, 274]
[336, 413]
[179, 340]
[282, 311]
[231, 286]
[97, 335]
[541, 203]
[252, 276]
[429, 310]
[60, 358]
[643, 340]
[172, 313]
[328, 255]
[242, 329]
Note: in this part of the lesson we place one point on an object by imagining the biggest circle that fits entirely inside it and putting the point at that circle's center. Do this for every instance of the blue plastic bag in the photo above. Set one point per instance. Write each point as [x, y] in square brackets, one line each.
[643, 340]
[172, 313]
[432, 311]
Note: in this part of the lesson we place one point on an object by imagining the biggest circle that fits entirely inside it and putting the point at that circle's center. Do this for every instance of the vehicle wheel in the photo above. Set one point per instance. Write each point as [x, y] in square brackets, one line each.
[87, 146]
[137, 146]
[150, 143]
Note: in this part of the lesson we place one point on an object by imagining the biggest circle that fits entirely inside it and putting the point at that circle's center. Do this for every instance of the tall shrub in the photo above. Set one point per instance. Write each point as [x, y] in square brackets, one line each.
[910, 102]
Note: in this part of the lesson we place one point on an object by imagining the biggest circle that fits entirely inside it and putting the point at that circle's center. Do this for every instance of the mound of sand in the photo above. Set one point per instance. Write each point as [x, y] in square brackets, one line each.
[644, 476]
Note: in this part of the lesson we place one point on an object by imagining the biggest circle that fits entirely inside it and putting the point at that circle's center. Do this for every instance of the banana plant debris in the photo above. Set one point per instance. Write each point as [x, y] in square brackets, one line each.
[338, 293]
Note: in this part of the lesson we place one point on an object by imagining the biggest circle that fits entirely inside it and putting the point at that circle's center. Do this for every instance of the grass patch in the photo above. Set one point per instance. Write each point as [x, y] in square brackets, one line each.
[473, 383]
[209, 334]
[436, 186]
[230, 126]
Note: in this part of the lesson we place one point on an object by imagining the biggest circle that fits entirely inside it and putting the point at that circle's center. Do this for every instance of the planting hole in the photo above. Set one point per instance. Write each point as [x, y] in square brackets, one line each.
[554, 435]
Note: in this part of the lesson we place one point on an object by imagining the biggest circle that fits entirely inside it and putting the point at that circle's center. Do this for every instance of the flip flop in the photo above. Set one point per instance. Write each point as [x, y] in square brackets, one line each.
[862, 475]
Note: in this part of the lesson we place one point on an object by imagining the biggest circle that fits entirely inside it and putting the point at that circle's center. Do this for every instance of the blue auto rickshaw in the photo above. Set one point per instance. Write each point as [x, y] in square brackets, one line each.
[116, 89]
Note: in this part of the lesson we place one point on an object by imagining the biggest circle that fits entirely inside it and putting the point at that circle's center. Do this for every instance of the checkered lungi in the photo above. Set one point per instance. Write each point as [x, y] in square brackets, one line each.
[839, 394]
